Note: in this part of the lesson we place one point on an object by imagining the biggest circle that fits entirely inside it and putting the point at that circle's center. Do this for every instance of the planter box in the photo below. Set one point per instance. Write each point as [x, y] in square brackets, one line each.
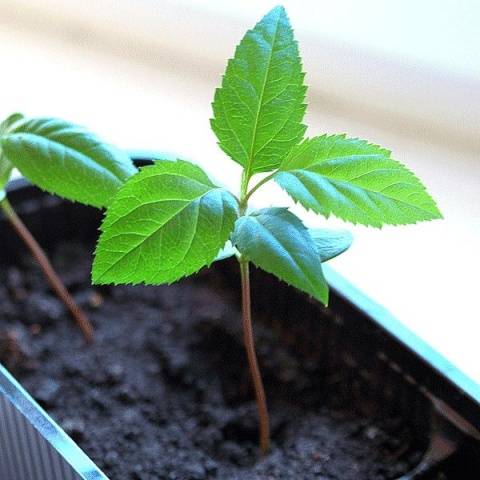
[381, 362]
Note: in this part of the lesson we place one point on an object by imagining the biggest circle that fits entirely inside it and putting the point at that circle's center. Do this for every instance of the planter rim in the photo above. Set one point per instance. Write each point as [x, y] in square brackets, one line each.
[81, 467]
[407, 337]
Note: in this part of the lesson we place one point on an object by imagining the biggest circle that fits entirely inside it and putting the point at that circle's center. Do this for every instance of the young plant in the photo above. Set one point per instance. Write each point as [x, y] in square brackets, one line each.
[64, 159]
[169, 220]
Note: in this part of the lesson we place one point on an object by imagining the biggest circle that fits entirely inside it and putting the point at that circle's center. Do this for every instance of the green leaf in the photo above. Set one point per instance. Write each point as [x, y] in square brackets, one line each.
[166, 222]
[5, 170]
[227, 251]
[276, 240]
[258, 110]
[331, 243]
[9, 123]
[5, 166]
[67, 160]
[355, 181]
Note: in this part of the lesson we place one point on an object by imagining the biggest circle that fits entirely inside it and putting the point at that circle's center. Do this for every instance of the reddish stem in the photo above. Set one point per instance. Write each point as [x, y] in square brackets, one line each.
[53, 279]
[264, 427]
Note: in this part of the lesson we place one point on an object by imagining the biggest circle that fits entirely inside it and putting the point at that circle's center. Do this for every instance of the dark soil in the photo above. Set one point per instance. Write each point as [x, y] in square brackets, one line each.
[164, 393]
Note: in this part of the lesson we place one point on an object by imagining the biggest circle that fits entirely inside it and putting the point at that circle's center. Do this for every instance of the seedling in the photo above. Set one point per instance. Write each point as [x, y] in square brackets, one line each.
[64, 159]
[169, 220]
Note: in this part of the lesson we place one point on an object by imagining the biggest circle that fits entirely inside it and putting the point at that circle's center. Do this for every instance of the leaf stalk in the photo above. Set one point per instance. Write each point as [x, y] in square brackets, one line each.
[259, 184]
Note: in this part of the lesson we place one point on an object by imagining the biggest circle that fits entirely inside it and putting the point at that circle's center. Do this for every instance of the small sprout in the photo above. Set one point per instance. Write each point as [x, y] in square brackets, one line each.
[66, 160]
[169, 220]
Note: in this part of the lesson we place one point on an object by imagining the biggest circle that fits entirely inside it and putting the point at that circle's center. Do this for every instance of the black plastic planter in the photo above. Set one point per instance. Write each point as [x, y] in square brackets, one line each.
[380, 358]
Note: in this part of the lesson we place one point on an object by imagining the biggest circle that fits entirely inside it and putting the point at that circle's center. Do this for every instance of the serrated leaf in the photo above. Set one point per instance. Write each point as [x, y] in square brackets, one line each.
[258, 110]
[276, 240]
[10, 122]
[226, 252]
[5, 170]
[5, 166]
[331, 243]
[354, 180]
[67, 160]
[166, 222]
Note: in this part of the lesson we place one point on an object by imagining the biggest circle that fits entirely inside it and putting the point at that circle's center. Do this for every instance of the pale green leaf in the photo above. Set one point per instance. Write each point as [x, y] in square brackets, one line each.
[5, 166]
[355, 181]
[227, 251]
[276, 240]
[166, 222]
[5, 170]
[259, 108]
[331, 243]
[67, 160]
[10, 122]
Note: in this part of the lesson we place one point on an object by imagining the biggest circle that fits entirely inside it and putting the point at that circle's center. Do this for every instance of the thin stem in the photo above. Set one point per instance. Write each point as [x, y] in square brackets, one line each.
[53, 279]
[244, 190]
[258, 185]
[264, 424]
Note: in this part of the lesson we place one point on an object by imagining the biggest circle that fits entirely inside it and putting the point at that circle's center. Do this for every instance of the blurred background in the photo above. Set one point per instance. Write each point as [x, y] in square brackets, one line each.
[404, 74]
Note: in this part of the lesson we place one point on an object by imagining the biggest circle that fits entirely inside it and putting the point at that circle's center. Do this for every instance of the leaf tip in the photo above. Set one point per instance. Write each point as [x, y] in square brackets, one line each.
[278, 9]
[325, 296]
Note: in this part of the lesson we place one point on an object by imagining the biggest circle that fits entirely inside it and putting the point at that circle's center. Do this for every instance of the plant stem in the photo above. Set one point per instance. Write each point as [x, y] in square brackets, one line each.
[53, 279]
[243, 191]
[258, 185]
[264, 427]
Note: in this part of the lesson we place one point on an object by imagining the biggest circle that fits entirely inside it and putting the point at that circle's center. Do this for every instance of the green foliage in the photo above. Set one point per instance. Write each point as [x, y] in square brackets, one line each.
[329, 243]
[258, 110]
[166, 222]
[9, 123]
[169, 220]
[64, 159]
[5, 171]
[227, 251]
[354, 180]
[275, 240]
[5, 166]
